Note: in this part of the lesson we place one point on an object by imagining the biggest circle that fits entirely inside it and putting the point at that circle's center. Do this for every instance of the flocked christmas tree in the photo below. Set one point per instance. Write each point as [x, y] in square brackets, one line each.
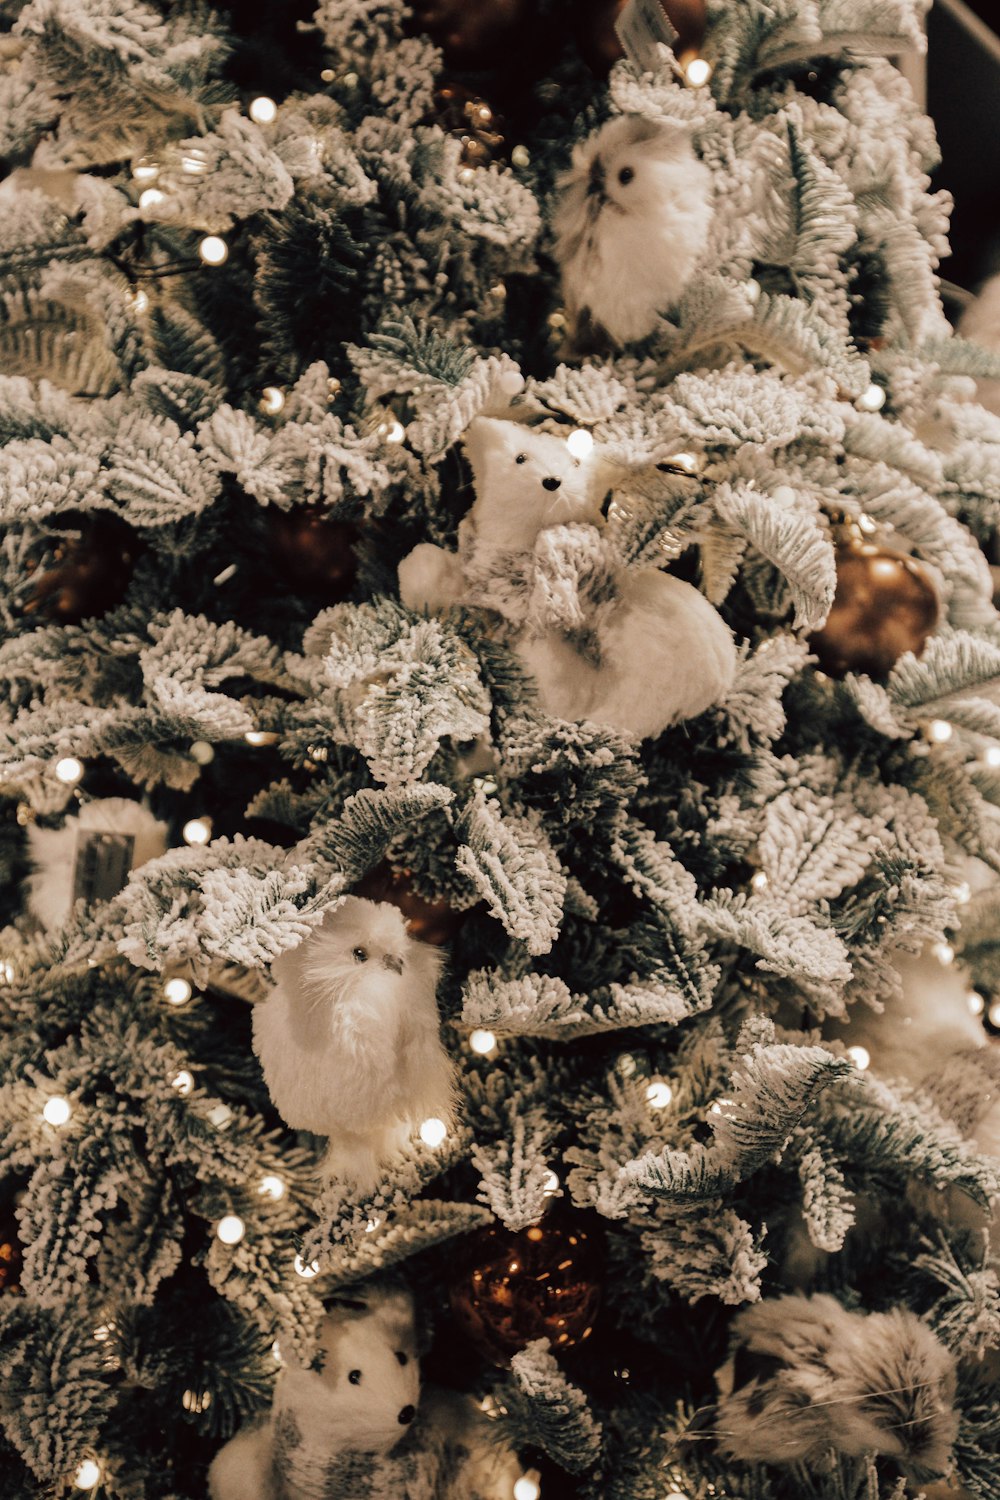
[498, 541]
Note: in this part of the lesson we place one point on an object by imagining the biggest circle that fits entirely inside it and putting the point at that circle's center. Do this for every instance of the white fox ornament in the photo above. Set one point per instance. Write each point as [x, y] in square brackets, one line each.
[634, 648]
[349, 1038]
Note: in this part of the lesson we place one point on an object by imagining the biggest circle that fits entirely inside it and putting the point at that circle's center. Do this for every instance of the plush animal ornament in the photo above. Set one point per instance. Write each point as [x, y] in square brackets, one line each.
[806, 1377]
[353, 1425]
[631, 225]
[635, 649]
[90, 857]
[349, 1038]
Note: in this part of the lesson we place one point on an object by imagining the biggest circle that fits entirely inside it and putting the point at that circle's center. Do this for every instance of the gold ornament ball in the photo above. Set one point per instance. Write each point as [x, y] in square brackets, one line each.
[885, 605]
[539, 1282]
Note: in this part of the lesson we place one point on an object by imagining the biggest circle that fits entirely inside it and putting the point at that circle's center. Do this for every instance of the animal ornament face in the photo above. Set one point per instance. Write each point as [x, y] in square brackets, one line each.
[526, 481]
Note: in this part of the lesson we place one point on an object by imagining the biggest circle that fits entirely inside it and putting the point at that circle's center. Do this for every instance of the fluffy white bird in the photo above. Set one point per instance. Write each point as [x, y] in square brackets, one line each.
[349, 1038]
[807, 1375]
[631, 225]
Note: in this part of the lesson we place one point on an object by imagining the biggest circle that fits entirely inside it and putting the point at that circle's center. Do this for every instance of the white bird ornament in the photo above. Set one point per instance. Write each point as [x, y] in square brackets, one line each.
[349, 1038]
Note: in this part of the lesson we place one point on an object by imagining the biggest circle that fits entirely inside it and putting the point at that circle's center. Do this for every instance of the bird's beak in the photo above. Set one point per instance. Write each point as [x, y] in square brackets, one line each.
[392, 961]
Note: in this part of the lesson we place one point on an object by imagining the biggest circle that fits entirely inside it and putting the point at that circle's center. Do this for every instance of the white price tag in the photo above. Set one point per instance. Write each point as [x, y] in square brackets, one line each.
[640, 27]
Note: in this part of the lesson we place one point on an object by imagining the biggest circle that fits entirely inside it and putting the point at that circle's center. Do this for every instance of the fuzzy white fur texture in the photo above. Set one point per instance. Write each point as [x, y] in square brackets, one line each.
[360, 1397]
[806, 1376]
[981, 322]
[657, 651]
[53, 851]
[349, 1038]
[631, 225]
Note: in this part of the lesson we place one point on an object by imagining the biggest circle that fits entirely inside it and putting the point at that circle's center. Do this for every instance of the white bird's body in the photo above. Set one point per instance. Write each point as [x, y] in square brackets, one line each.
[631, 225]
[350, 1046]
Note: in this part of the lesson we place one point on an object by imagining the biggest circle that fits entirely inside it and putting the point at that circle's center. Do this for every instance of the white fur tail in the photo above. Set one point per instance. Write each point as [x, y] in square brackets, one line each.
[242, 1469]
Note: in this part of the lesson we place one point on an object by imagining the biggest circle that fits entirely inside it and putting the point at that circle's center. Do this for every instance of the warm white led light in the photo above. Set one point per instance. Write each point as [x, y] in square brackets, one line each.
[69, 770]
[151, 197]
[231, 1229]
[202, 752]
[372, 1225]
[759, 881]
[860, 1057]
[177, 991]
[276, 1352]
[433, 1132]
[940, 731]
[551, 1183]
[394, 431]
[307, 1270]
[88, 1475]
[272, 400]
[272, 1187]
[659, 1094]
[259, 737]
[197, 831]
[944, 953]
[698, 72]
[975, 1002]
[57, 1110]
[867, 525]
[183, 1082]
[580, 443]
[221, 1116]
[263, 110]
[963, 893]
[527, 1487]
[992, 756]
[146, 169]
[482, 1041]
[993, 1014]
[520, 156]
[873, 399]
[213, 250]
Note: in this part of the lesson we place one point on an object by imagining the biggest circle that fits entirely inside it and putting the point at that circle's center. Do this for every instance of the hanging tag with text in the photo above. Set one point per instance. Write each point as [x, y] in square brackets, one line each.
[641, 26]
[103, 862]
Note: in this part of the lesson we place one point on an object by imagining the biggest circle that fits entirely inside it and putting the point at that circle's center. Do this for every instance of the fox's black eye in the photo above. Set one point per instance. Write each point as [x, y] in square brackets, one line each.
[360, 956]
[625, 176]
[404, 1359]
[522, 458]
[354, 1376]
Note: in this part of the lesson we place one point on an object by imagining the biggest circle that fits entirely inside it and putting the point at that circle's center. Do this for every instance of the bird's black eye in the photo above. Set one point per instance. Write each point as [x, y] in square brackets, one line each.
[404, 1359]
[625, 176]
[522, 458]
[360, 956]
[354, 1376]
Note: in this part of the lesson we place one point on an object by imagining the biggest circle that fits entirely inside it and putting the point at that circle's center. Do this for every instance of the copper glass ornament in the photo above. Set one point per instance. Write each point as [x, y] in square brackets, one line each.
[885, 605]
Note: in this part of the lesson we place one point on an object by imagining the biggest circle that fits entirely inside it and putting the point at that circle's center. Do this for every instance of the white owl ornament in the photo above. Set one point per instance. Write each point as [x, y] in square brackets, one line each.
[349, 1038]
[631, 225]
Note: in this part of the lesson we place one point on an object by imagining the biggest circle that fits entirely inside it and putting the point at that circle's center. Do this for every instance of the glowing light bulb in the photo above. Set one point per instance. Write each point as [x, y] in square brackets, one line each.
[551, 1183]
[307, 1270]
[686, 461]
[231, 1229]
[372, 1225]
[860, 1057]
[194, 162]
[659, 1094]
[433, 1132]
[150, 197]
[520, 156]
[276, 1352]
[753, 290]
[944, 953]
[759, 882]
[57, 1110]
[992, 756]
[675, 1495]
[69, 770]
[146, 169]
[394, 431]
[261, 737]
[262, 110]
[482, 1042]
[7, 972]
[993, 1014]
[202, 752]
[140, 301]
[511, 382]
[975, 1002]
[183, 1082]
[88, 1475]
[940, 731]
[627, 1065]
[177, 991]
[197, 831]
[873, 399]
[213, 250]
[221, 1116]
[963, 893]
[272, 1187]
[527, 1487]
[698, 72]
[580, 443]
[867, 525]
[272, 400]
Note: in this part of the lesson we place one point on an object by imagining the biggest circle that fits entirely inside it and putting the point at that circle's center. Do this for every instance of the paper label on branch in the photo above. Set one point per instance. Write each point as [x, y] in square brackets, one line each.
[642, 25]
[103, 862]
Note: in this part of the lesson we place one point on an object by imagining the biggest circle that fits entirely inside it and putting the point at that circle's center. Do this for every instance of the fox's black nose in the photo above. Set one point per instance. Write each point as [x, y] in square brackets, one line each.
[406, 1415]
[551, 483]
